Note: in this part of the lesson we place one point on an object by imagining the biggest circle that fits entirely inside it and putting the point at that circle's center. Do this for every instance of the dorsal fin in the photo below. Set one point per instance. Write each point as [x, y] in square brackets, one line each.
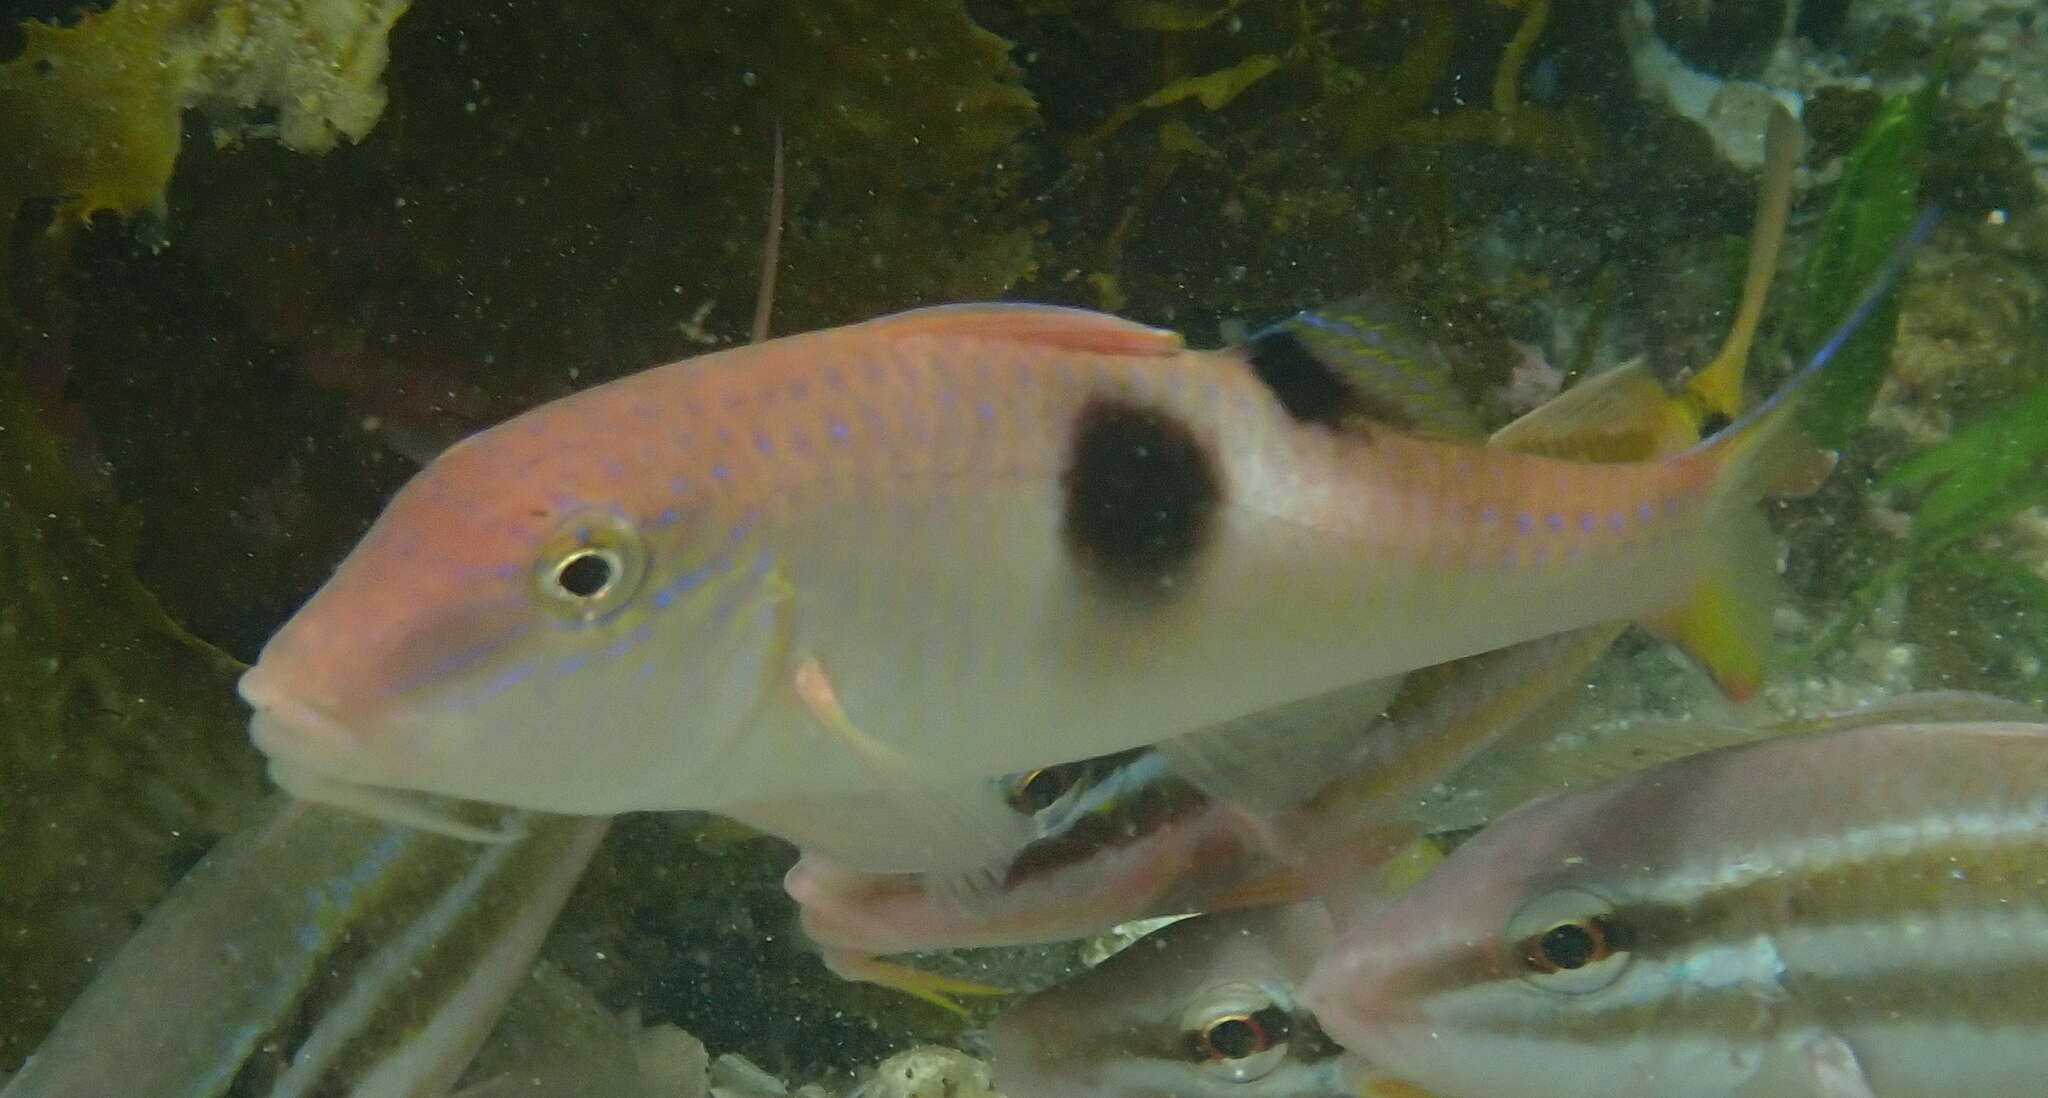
[1052, 326]
[1359, 363]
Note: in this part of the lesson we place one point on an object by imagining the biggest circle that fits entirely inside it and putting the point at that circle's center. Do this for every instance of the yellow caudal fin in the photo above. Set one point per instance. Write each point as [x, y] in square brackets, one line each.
[1725, 621]
[1626, 414]
[1717, 386]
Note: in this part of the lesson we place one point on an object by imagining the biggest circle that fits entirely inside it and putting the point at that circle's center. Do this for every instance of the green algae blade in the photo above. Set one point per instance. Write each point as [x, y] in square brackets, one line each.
[1873, 206]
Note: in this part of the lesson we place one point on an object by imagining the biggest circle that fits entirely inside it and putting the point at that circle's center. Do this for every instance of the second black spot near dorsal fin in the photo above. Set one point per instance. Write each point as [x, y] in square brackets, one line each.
[1357, 363]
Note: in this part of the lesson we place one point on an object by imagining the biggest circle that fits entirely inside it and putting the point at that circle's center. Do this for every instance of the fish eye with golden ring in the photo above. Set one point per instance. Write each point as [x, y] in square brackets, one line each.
[590, 567]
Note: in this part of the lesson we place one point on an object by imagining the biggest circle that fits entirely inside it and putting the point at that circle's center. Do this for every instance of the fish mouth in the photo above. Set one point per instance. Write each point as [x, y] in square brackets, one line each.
[304, 732]
[286, 724]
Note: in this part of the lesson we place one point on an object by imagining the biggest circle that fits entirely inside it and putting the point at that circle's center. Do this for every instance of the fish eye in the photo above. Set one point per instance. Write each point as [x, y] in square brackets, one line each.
[1237, 1034]
[590, 566]
[1570, 941]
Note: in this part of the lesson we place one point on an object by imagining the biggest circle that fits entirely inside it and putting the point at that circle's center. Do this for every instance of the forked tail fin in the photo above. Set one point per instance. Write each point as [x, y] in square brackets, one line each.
[1724, 622]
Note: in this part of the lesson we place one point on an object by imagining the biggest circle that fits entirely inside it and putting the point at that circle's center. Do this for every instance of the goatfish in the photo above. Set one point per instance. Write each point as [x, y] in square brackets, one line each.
[874, 566]
[1857, 912]
[1237, 815]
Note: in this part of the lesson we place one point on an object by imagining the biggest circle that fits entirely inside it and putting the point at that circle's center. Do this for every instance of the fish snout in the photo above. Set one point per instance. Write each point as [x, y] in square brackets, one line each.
[290, 722]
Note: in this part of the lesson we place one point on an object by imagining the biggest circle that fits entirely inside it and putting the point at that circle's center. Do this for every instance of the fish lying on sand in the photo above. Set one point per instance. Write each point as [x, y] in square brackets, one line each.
[889, 561]
[1853, 913]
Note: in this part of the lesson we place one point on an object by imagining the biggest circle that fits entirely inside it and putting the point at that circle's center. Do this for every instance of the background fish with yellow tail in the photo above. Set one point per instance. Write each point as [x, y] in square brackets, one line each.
[907, 555]
[1848, 914]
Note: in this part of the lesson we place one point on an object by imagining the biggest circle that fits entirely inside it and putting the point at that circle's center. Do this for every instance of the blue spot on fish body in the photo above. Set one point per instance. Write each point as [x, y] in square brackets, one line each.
[626, 643]
[506, 680]
[1489, 516]
[839, 430]
[663, 596]
[763, 443]
[721, 472]
[985, 410]
[1616, 520]
[1524, 522]
[1645, 512]
[1588, 523]
[668, 517]
[613, 468]
[1554, 521]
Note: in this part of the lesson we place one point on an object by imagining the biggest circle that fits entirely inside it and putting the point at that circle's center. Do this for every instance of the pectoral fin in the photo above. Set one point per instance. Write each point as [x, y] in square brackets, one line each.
[967, 824]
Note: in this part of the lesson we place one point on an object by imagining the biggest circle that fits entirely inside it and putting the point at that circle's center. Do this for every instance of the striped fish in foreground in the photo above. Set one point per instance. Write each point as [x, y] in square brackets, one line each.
[875, 566]
[1860, 913]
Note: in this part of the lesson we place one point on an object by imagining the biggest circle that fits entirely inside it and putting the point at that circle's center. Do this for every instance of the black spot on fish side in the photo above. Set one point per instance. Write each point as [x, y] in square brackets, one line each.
[1141, 496]
[1307, 387]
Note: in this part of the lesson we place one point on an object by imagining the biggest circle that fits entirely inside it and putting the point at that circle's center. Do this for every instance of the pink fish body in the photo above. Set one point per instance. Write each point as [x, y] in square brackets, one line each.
[935, 547]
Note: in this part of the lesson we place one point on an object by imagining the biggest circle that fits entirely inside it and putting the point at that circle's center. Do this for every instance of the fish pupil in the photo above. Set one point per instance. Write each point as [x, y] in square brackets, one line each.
[1241, 1035]
[585, 574]
[1569, 946]
[1234, 1038]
